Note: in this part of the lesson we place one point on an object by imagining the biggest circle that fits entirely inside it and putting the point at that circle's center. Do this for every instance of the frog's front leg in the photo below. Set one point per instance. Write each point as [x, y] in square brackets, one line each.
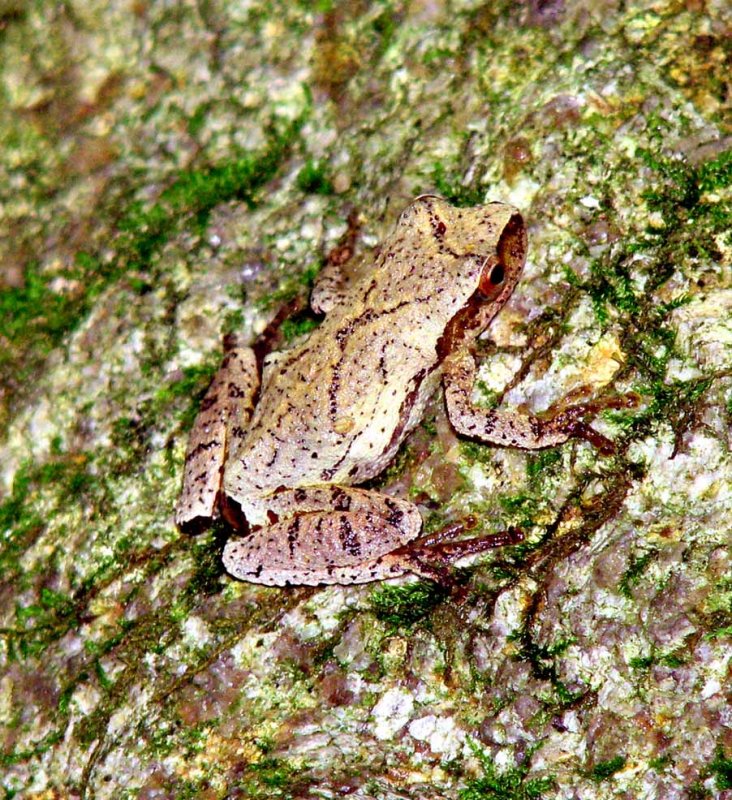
[513, 429]
[331, 284]
[225, 412]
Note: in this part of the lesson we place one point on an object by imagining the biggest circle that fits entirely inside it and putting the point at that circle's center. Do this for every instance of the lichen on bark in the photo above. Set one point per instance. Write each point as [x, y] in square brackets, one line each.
[169, 173]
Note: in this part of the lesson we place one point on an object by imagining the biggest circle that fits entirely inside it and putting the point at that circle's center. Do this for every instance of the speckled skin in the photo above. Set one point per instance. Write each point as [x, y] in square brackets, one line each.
[334, 410]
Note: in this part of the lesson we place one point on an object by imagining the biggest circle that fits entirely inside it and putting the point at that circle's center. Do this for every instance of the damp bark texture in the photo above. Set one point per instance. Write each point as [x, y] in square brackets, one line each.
[172, 173]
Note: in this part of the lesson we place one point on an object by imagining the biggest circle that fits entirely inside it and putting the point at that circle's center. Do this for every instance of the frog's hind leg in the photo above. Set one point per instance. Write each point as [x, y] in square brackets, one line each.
[225, 410]
[513, 429]
[329, 535]
[334, 534]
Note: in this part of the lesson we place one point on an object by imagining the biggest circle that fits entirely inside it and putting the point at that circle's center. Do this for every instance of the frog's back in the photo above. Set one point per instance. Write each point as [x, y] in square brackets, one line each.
[335, 408]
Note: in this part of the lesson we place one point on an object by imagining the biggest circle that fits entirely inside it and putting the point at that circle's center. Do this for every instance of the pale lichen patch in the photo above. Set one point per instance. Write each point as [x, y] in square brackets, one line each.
[392, 712]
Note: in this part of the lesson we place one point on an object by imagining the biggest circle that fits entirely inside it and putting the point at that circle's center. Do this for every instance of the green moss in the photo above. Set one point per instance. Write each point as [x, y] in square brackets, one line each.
[35, 318]
[272, 778]
[64, 700]
[14, 512]
[191, 387]
[167, 736]
[233, 321]
[102, 678]
[487, 397]
[672, 659]
[606, 769]
[691, 221]
[521, 507]
[541, 463]
[722, 631]
[697, 791]
[205, 553]
[7, 759]
[476, 452]
[634, 572]
[318, 6]
[292, 328]
[20, 518]
[313, 178]
[402, 461]
[385, 26]
[721, 768]
[197, 120]
[449, 185]
[195, 192]
[510, 784]
[715, 174]
[719, 609]
[660, 764]
[297, 283]
[179, 399]
[683, 184]
[37, 313]
[542, 659]
[405, 606]
[642, 663]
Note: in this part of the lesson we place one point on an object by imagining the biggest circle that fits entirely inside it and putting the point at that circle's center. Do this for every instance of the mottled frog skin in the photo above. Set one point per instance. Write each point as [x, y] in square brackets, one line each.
[284, 450]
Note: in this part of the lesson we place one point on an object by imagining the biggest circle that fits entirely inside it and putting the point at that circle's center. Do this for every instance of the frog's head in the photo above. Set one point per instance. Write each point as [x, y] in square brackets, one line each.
[485, 247]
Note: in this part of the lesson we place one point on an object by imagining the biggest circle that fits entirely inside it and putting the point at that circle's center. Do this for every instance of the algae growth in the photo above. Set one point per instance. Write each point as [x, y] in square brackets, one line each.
[171, 175]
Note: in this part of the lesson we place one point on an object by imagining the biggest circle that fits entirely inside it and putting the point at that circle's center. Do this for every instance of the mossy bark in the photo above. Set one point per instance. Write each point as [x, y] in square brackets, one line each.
[171, 172]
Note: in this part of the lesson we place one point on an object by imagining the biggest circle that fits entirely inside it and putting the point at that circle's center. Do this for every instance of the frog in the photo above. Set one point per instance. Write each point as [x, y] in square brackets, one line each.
[286, 438]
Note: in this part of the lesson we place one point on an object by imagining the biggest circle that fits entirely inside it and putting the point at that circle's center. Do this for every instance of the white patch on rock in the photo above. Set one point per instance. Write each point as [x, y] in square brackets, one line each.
[616, 693]
[392, 713]
[422, 728]
[440, 733]
[195, 632]
[320, 615]
[704, 329]
[520, 193]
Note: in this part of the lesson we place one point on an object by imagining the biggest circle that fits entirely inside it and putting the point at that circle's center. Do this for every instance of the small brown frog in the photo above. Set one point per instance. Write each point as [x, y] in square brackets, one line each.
[284, 447]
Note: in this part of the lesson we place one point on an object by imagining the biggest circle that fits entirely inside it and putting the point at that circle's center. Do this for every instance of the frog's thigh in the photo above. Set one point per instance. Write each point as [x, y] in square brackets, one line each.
[225, 410]
[331, 497]
[323, 547]
[507, 428]
[329, 546]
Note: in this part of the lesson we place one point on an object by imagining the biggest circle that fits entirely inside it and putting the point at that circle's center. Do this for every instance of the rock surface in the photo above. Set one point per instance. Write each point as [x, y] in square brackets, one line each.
[171, 172]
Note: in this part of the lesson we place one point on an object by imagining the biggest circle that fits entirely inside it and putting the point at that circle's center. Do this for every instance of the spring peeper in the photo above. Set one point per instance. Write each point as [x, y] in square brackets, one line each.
[284, 447]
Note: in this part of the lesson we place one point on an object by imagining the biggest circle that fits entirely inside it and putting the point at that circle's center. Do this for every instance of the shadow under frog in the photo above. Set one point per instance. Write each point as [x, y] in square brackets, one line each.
[286, 446]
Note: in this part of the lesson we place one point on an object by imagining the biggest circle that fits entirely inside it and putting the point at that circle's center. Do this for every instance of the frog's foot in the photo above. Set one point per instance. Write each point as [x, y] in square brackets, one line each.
[513, 429]
[225, 410]
[429, 556]
[329, 534]
[571, 419]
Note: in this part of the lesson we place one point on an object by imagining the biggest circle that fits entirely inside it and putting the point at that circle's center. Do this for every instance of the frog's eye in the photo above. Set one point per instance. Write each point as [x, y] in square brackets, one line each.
[497, 274]
[491, 279]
